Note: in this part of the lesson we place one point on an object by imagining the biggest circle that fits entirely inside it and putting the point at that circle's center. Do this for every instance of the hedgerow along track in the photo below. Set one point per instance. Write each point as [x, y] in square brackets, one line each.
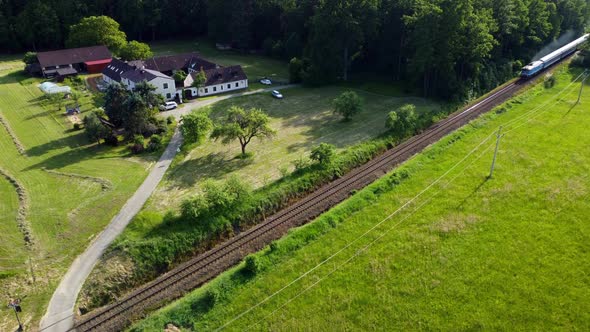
[208, 265]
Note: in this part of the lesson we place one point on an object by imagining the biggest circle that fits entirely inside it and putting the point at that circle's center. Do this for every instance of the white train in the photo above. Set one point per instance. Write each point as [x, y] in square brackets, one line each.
[535, 67]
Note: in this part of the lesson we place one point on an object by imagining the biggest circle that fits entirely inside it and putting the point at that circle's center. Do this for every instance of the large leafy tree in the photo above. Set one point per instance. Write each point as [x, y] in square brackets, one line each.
[135, 50]
[97, 30]
[136, 113]
[243, 125]
[148, 93]
[114, 103]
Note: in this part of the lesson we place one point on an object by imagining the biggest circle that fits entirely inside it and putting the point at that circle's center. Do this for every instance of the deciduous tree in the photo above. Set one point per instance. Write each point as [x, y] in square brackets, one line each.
[135, 50]
[348, 104]
[97, 30]
[195, 126]
[243, 125]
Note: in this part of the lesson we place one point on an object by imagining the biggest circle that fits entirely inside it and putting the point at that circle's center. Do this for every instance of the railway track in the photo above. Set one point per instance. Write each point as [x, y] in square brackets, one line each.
[208, 265]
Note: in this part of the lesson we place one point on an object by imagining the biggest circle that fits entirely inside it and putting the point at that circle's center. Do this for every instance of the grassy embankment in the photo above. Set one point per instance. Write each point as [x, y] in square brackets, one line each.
[507, 253]
[303, 119]
[63, 209]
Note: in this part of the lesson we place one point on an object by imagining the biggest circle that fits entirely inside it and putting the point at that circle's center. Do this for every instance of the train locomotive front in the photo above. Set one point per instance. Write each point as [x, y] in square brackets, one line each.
[535, 67]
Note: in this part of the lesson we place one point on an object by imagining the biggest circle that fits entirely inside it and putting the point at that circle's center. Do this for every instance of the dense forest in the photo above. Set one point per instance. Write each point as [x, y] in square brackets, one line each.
[447, 48]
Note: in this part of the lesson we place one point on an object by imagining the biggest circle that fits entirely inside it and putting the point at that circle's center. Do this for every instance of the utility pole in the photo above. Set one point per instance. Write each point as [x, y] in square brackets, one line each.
[498, 137]
[15, 304]
[582, 87]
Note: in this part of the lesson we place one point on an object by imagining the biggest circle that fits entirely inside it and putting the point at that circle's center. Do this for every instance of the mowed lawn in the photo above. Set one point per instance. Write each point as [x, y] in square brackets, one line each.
[64, 211]
[303, 119]
[471, 253]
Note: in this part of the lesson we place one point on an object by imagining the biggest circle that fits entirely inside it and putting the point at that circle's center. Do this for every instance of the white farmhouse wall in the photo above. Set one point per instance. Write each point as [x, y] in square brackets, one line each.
[167, 92]
[218, 88]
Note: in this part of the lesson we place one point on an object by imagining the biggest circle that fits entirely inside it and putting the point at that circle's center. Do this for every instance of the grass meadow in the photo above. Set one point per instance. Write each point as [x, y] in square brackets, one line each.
[302, 120]
[470, 253]
[64, 211]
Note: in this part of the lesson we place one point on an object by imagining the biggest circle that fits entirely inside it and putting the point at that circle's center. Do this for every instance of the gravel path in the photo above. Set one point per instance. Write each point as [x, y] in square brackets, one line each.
[59, 316]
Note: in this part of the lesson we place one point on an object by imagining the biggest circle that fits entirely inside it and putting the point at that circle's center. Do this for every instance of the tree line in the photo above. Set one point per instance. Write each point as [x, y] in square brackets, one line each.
[445, 47]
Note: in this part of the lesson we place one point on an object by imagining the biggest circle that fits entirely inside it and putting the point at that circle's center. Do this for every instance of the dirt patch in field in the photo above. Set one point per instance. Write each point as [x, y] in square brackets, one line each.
[454, 223]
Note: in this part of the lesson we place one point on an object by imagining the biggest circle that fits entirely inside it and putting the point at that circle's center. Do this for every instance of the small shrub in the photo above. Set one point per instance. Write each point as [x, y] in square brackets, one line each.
[323, 153]
[253, 265]
[150, 129]
[550, 81]
[170, 119]
[284, 170]
[111, 140]
[77, 126]
[212, 296]
[155, 143]
[136, 148]
[300, 163]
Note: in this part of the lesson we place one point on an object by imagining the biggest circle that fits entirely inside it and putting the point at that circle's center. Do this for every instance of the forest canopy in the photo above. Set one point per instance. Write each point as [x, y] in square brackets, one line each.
[447, 48]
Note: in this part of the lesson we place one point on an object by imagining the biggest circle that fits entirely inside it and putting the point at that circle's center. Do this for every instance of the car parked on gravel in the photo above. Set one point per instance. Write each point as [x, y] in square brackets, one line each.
[266, 81]
[277, 94]
[169, 105]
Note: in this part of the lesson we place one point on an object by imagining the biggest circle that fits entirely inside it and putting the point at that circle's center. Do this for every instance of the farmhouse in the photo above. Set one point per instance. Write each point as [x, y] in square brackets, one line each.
[187, 62]
[91, 59]
[164, 84]
[219, 80]
[157, 71]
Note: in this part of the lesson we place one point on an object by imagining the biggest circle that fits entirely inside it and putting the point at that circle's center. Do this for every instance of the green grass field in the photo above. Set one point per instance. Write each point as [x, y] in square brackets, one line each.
[471, 253]
[303, 120]
[64, 210]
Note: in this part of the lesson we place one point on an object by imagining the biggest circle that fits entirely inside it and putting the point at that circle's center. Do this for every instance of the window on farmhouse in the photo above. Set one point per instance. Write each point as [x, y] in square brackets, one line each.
[206, 90]
[168, 96]
[214, 88]
[229, 86]
[165, 85]
[237, 84]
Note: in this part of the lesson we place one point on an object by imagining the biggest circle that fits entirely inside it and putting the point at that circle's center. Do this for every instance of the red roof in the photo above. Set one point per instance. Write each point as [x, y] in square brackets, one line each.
[97, 62]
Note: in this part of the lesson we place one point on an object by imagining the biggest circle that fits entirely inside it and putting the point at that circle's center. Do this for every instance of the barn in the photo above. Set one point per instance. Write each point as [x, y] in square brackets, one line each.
[91, 59]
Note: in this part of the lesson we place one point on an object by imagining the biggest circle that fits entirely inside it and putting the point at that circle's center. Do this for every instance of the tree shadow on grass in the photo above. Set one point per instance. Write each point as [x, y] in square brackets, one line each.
[70, 141]
[214, 166]
[13, 77]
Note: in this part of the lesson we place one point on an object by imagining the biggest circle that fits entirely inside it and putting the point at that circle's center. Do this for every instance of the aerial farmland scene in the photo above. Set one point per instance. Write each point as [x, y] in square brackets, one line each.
[295, 165]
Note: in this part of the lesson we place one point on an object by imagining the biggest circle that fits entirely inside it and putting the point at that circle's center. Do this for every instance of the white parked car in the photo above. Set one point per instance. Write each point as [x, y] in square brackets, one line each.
[277, 94]
[266, 81]
[169, 105]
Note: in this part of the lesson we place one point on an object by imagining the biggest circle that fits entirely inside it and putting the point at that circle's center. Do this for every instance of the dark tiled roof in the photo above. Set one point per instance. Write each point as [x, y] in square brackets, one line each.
[224, 75]
[137, 75]
[185, 61]
[73, 55]
[66, 71]
[116, 68]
